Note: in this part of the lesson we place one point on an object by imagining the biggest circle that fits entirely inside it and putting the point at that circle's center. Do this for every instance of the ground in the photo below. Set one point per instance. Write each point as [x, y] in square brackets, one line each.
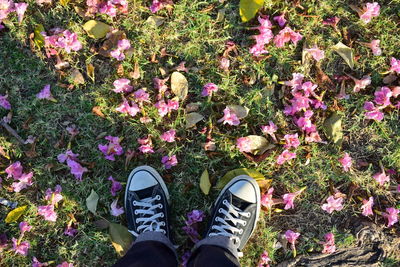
[195, 32]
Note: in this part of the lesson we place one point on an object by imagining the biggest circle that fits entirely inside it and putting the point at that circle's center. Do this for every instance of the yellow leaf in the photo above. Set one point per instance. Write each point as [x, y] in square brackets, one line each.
[90, 71]
[38, 37]
[242, 171]
[345, 52]
[96, 29]
[64, 2]
[205, 184]
[249, 8]
[14, 215]
[121, 239]
[333, 129]
[179, 85]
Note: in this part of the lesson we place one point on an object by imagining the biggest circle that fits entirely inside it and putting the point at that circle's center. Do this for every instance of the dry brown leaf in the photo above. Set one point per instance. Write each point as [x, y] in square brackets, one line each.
[136, 72]
[97, 111]
[77, 77]
[120, 70]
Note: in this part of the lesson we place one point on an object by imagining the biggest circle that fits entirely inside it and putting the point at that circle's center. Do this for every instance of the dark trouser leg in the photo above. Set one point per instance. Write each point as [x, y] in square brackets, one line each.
[148, 253]
[214, 252]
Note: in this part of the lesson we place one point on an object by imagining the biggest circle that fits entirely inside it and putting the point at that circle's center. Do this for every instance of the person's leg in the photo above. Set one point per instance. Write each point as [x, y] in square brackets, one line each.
[146, 206]
[233, 221]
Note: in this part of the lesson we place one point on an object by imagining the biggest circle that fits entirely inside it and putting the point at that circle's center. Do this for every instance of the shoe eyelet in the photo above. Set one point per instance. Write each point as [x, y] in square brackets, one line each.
[158, 197]
[213, 227]
[134, 203]
[248, 214]
[225, 202]
[164, 232]
[162, 215]
[241, 231]
[216, 219]
[160, 206]
[162, 223]
[136, 212]
[220, 210]
[244, 223]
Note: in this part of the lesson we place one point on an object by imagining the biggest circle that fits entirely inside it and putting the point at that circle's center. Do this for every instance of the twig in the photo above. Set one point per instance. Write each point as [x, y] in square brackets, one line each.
[12, 132]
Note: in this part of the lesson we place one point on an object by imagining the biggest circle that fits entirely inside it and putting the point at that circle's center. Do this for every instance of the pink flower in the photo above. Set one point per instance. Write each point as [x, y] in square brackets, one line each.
[373, 112]
[48, 213]
[115, 210]
[346, 162]
[286, 155]
[208, 89]
[374, 45]
[266, 199]
[264, 260]
[14, 170]
[291, 236]
[367, 206]
[159, 4]
[72, 130]
[195, 216]
[270, 129]
[244, 144]
[224, 64]
[329, 244]
[314, 137]
[168, 136]
[45, 93]
[263, 38]
[146, 145]
[286, 35]
[124, 44]
[280, 20]
[24, 181]
[361, 84]
[391, 215]
[159, 84]
[68, 155]
[70, 231]
[369, 11]
[126, 108]
[24, 227]
[381, 178]
[20, 8]
[115, 186]
[229, 117]
[289, 198]
[54, 196]
[166, 108]
[108, 9]
[76, 169]
[141, 96]
[4, 102]
[122, 86]
[169, 161]
[112, 149]
[394, 65]
[292, 140]
[333, 204]
[118, 53]
[316, 53]
[382, 97]
[37, 263]
[69, 41]
[20, 247]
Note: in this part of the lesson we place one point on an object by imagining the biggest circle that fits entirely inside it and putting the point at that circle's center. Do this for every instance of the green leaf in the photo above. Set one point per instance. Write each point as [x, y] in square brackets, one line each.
[121, 239]
[192, 119]
[242, 171]
[249, 8]
[345, 52]
[333, 129]
[38, 37]
[91, 201]
[96, 29]
[179, 85]
[14, 215]
[205, 184]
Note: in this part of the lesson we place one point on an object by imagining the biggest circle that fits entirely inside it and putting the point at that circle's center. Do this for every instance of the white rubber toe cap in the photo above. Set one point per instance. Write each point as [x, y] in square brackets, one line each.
[244, 190]
[142, 180]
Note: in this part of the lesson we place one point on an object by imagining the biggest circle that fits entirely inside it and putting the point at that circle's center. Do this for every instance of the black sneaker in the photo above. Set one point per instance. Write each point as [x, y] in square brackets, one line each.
[146, 202]
[236, 210]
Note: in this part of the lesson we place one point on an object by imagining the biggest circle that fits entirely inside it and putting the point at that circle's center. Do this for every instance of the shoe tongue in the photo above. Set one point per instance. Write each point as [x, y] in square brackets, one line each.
[145, 193]
[239, 203]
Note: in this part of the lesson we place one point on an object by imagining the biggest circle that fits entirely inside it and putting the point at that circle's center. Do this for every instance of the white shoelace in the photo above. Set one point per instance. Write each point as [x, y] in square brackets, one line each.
[232, 214]
[150, 223]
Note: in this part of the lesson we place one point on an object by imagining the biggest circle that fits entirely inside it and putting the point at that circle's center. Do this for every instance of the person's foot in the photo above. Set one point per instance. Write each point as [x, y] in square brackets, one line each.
[236, 210]
[146, 202]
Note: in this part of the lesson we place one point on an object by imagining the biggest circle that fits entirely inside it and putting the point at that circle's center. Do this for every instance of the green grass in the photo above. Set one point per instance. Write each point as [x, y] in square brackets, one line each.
[192, 33]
